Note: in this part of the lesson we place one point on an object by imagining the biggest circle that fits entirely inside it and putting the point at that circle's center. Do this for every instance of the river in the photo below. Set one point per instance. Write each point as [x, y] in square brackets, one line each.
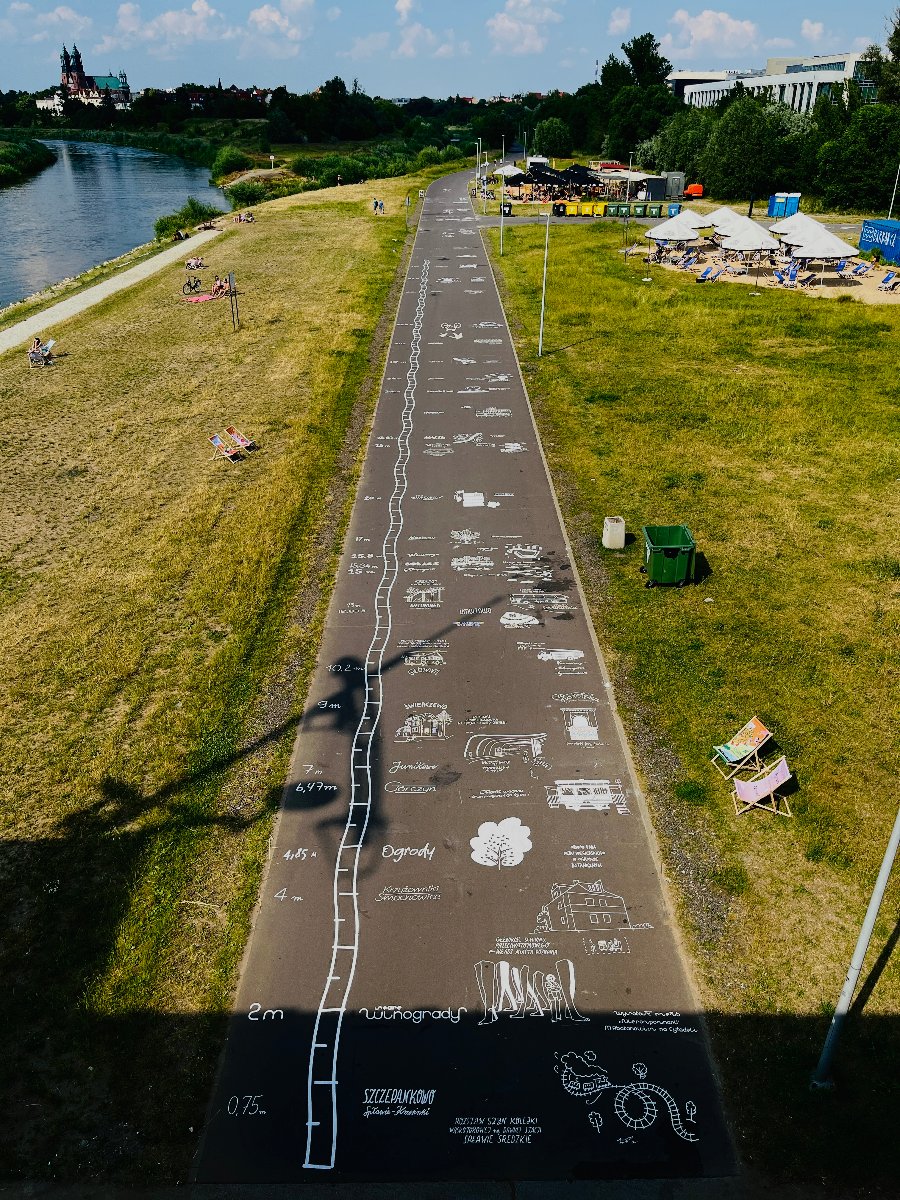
[94, 203]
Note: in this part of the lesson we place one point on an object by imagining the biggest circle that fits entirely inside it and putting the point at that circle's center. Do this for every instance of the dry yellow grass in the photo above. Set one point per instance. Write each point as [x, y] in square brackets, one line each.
[149, 598]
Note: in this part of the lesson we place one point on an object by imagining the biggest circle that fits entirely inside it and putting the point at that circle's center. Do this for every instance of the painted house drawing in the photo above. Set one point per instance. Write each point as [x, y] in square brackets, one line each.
[582, 908]
[421, 725]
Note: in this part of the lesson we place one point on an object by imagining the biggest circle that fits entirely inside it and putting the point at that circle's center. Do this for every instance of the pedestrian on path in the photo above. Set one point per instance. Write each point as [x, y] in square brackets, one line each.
[374, 204]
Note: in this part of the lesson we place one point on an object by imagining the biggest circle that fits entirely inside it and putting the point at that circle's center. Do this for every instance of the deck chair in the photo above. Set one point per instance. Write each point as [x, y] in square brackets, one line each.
[221, 449]
[36, 359]
[841, 269]
[687, 263]
[808, 281]
[707, 274]
[892, 285]
[861, 270]
[762, 793]
[791, 278]
[779, 278]
[888, 282]
[242, 442]
[741, 752]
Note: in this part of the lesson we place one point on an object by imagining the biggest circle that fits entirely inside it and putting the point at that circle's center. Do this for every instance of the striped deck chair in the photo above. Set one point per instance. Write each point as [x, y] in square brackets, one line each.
[741, 753]
[242, 442]
[762, 793]
[221, 449]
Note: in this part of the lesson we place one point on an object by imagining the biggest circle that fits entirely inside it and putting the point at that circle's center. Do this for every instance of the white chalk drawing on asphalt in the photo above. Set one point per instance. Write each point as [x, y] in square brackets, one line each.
[500, 843]
[558, 654]
[424, 593]
[467, 439]
[474, 500]
[582, 908]
[633, 1103]
[579, 794]
[474, 291]
[581, 723]
[523, 991]
[466, 362]
[491, 411]
[321, 1078]
[494, 751]
[473, 564]
[487, 325]
[453, 331]
[430, 724]
[518, 620]
[465, 537]
[438, 451]
[513, 448]
[424, 661]
[552, 601]
[524, 552]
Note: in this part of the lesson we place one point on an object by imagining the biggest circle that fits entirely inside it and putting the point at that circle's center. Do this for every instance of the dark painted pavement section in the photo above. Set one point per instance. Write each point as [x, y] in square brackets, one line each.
[462, 965]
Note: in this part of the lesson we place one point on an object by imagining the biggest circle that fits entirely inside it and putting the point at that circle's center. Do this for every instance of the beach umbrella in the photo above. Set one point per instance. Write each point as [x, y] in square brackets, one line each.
[796, 222]
[724, 219]
[821, 243]
[748, 238]
[673, 230]
[507, 170]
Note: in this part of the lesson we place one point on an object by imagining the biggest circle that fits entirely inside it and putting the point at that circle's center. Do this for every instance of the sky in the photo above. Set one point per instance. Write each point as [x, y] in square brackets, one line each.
[408, 47]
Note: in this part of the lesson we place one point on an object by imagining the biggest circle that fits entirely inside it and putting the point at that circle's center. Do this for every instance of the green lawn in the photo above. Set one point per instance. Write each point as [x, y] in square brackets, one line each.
[768, 425]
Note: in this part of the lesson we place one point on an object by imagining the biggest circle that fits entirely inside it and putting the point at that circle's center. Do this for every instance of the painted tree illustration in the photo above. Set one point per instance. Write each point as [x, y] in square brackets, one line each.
[501, 843]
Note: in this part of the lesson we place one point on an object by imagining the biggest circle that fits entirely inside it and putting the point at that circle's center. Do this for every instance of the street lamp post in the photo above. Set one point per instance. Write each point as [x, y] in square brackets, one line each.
[544, 287]
[502, 182]
[894, 193]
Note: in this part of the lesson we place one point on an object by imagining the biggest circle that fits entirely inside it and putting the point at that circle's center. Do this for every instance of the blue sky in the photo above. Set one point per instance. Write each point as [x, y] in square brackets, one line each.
[408, 47]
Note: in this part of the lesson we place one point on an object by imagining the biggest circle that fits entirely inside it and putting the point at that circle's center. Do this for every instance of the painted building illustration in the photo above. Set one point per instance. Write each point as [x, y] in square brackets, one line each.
[581, 724]
[582, 908]
[424, 591]
[418, 726]
[578, 794]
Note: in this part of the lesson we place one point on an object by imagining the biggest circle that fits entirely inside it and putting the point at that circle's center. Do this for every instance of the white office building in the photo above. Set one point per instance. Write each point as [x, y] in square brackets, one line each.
[797, 82]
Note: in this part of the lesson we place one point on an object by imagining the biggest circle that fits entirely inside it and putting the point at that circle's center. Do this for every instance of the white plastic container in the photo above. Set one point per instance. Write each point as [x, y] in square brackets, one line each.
[614, 533]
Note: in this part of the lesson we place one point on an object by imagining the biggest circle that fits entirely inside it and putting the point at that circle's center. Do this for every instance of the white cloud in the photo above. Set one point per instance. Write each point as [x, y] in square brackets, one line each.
[813, 31]
[415, 40]
[366, 47]
[708, 33]
[619, 21]
[332, 13]
[24, 23]
[165, 33]
[404, 8]
[520, 27]
[451, 48]
[778, 43]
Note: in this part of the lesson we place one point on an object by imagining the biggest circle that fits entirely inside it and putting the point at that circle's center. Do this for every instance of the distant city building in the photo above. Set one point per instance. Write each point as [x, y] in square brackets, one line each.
[797, 82]
[89, 89]
[677, 81]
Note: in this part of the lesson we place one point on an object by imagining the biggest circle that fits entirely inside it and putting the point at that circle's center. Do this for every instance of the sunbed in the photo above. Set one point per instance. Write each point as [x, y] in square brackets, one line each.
[741, 752]
[889, 282]
[762, 793]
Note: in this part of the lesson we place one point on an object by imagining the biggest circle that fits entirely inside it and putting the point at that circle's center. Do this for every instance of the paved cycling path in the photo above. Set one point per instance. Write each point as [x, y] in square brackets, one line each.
[462, 965]
[44, 323]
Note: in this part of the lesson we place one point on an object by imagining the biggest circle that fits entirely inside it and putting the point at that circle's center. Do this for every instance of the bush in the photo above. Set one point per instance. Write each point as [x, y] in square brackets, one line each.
[230, 159]
[428, 156]
[251, 191]
[193, 213]
[21, 158]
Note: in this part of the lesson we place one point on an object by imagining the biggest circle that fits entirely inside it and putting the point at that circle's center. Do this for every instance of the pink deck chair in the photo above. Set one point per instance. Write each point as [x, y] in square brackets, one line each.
[761, 793]
[741, 753]
[242, 442]
[221, 449]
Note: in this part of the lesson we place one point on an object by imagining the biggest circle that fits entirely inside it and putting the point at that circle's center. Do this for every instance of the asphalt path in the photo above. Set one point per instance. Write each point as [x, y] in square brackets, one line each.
[462, 965]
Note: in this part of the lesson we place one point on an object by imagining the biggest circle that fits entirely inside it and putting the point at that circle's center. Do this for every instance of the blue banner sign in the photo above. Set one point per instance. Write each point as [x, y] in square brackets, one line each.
[883, 236]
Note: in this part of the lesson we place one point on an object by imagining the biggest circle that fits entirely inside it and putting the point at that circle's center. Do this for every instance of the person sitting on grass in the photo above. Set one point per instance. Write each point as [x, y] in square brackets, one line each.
[219, 287]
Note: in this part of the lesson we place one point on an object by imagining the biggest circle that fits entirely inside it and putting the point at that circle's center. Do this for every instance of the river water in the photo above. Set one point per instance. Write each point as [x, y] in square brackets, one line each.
[94, 203]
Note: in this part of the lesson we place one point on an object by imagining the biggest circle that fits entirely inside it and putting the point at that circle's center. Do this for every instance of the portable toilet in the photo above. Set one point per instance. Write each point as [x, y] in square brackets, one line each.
[778, 205]
[793, 204]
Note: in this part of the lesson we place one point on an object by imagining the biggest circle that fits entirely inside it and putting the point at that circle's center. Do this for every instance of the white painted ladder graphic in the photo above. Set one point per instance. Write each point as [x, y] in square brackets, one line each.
[322, 1080]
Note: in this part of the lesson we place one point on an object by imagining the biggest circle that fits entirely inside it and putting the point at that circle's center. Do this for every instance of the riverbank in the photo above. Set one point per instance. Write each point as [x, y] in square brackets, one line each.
[20, 158]
[201, 151]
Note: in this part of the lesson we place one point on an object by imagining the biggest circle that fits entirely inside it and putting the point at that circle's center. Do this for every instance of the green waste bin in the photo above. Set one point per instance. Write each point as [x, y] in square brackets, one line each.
[624, 210]
[640, 210]
[668, 555]
[654, 210]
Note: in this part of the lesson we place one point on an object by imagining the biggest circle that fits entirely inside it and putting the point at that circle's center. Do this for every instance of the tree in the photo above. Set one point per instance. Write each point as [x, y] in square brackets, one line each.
[648, 66]
[681, 141]
[614, 75]
[553, 137]
[883, 69]
[637, 113]
[857, 169]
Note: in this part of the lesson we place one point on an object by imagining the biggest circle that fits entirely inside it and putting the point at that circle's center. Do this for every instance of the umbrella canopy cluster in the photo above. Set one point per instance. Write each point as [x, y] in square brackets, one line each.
[808, 239]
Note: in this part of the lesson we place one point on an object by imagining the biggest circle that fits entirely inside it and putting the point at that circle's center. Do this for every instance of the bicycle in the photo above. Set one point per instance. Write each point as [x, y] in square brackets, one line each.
[191, 284]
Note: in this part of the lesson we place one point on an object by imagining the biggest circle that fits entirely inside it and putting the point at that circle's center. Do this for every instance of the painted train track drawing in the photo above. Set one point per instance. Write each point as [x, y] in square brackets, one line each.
[633, 1102]
[322, 1077]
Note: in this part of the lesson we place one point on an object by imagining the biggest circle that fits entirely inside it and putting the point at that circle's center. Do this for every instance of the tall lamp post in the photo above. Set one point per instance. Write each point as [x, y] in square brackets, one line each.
[477, 145]
[894, 193]
[544, 286]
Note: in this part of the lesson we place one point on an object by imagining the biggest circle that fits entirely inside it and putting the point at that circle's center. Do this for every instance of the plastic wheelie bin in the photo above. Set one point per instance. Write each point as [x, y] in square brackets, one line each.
[559, 210]
[668, 555]
[654, 210]
[506, 208]
[640, 210]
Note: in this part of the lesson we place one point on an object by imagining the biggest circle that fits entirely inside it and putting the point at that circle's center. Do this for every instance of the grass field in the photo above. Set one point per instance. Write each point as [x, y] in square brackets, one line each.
[159, 613]
[769, 426]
